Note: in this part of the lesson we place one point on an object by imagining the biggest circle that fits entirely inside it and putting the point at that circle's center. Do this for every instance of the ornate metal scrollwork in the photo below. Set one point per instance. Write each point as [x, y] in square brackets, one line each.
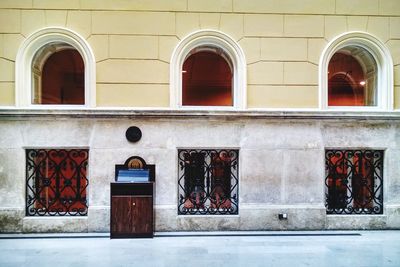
[208, 181]
[354, 181]
[56, 182]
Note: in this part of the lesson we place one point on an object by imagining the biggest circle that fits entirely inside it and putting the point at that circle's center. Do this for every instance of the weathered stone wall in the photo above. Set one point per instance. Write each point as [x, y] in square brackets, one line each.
[281, 167]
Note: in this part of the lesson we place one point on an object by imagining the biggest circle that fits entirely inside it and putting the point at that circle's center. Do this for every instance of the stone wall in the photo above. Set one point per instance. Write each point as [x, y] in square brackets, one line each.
[281, 165]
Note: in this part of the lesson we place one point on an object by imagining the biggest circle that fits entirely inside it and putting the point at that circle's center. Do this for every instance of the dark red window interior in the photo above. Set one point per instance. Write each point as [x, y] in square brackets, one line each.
[220, 181]
[354, 181]
[63, 79]
[208, 181]
[346, 81]
[206, 80]
[362, 181]
[57, 181]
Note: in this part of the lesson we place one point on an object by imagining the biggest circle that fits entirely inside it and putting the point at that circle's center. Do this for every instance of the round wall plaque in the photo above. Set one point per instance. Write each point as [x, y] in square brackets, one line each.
[133, 134]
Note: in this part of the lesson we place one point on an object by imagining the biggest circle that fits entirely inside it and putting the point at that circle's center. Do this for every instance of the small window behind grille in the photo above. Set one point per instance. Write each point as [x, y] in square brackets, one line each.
[354, 181]
[208, 181]
[56, 182]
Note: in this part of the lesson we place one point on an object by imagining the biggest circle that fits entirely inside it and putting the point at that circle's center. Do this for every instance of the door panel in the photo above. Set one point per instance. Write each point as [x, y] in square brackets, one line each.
[142, 215]
[121, 214]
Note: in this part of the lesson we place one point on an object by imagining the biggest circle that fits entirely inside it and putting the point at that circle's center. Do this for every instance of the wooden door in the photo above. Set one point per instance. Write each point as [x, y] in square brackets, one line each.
[121, 214]
[142, 215]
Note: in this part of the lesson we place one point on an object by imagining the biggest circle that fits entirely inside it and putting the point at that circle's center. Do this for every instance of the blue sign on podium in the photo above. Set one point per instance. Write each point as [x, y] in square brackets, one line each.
[133, 175]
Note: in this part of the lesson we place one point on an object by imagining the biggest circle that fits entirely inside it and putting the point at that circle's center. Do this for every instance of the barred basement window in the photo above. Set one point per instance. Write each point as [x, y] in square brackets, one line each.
[56, 182]
[354, 181]
[208, 181]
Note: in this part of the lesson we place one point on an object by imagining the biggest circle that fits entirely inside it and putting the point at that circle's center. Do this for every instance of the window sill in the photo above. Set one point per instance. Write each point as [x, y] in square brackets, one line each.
[209, 216]
[335, 216]
[54, 218]
[174, 113]
[55, 107]
[354, 109]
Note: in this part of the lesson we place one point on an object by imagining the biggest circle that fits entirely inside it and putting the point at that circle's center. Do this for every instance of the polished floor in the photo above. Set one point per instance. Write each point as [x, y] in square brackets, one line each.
[248, 249]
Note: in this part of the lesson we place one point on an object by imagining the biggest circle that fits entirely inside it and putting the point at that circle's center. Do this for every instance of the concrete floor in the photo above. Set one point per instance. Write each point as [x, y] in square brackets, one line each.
[249, 249]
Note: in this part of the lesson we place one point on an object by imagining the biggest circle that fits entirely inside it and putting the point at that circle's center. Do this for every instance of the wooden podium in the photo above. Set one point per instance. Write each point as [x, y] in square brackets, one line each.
[132, 213]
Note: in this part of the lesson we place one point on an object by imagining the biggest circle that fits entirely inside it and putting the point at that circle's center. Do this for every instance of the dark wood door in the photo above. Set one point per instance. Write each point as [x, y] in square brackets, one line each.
[142, 215]
[121, 214]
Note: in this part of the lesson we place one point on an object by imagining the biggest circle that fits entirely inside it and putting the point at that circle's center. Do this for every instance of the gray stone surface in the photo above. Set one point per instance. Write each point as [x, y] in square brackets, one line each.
[393, 216]
[12, 177]
[166, 218]
[10, 135]
[98, 219]
[11, 220]
[261, 173]
[300, 249]
[281, 167]
[64, 224]
[396, 129]
[311, 218]
[256, 218]
[203, 223]
[281, 135]
[351, 222]
[358, 134]
[251, 217]
[392, 176]
[303, 170]
[56, 133]
[207, 134]
[259, 218]
[110, 134]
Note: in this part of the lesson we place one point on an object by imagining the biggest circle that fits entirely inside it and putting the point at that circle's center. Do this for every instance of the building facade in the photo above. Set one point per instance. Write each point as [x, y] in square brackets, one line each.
[258, 115]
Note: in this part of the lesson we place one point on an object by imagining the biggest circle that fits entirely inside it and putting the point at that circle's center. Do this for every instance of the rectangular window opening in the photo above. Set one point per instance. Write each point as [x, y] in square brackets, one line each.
[56, 182]
[208, 181]
[354, 181]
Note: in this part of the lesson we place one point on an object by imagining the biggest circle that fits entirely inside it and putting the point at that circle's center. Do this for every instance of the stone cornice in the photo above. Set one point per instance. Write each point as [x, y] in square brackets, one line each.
[13, 113]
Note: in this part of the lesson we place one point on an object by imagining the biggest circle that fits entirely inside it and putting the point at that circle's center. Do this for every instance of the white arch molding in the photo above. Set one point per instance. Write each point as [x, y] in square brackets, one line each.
[203, 38]
[27, 51]
[383, 60]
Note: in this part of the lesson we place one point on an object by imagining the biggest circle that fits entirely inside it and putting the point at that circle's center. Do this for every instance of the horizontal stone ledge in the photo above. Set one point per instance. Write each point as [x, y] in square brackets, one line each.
[242, 205]
[346, 216]
[16, 113]
[55, 218]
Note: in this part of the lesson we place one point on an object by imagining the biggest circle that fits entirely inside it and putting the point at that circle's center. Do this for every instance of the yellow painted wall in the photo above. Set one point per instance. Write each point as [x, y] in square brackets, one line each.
[7, 97]
[133, 42]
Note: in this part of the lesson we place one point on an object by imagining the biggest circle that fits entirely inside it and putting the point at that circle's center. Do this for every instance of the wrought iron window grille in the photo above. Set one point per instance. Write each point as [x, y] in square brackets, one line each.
[354, 181]
[56, 182]
[208, 181]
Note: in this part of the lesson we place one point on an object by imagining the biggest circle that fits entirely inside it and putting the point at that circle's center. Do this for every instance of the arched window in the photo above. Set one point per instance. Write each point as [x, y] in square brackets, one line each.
[208, 69]
[58, 74]
[207, 78]
[352, 78]
[55, 67]
[356, 72]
